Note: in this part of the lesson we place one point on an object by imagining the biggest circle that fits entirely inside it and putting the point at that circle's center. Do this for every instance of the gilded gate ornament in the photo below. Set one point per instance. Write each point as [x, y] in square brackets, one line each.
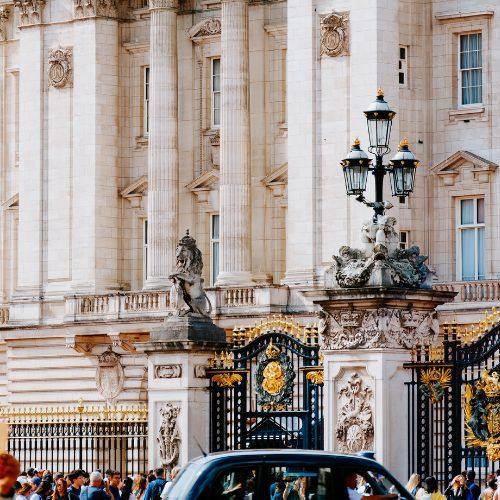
[482, 413]
[435, 381]
[274, 379]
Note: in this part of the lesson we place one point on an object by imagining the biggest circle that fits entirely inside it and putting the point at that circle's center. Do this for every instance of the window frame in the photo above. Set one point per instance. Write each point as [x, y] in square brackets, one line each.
[460, 71]
[403, 245]
[403, 66]
[146, 80]
[459, 230]
[144, 240]
[213, 241]
[213, 125]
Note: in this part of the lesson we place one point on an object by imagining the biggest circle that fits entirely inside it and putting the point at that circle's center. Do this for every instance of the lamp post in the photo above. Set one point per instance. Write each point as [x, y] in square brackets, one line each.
[357, 164]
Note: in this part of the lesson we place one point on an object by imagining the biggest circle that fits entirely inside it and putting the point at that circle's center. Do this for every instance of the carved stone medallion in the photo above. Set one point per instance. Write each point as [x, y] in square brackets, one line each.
[169, 437]
[168, 371]
[354, 430]
[60, 67]
[335, 34]
[378, 328]
[109, 375]
[200, 371]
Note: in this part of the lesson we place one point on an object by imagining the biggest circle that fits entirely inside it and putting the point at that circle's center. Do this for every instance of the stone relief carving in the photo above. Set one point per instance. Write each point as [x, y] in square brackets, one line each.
[30, 11]
[200, 371]
[169, 437]
[60, 67]
[215, 149]
[109, 375]
[208, 27]
[168, 371]
[163, 4]
[187, 295]
[91, 8]
[335, 34]
[354, 429]
[376, 328]
[380, 262]
[4, 16]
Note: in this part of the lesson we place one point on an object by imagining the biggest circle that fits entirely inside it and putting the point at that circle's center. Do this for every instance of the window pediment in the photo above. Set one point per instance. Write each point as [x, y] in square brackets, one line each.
[135, 191]
[466, 166]
[206, 28]
[206, 189]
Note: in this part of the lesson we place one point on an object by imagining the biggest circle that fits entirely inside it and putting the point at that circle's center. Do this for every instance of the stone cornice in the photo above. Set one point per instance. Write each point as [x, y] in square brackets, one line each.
[454, 16]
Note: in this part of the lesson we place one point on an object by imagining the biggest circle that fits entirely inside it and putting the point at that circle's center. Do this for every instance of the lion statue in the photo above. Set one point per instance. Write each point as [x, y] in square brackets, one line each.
[187, 294]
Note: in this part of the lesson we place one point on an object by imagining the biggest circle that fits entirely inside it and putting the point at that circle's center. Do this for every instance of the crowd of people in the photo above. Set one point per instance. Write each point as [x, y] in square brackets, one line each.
[462, 487]
[40, 484]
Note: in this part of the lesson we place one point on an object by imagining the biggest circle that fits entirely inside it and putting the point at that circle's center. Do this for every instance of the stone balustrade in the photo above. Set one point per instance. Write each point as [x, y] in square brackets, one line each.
[473, 291]
[239, 297]
[118, 305]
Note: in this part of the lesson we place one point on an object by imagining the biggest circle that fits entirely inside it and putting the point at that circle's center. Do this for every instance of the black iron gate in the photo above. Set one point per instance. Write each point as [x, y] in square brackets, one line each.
[267, 390]
[454, 403]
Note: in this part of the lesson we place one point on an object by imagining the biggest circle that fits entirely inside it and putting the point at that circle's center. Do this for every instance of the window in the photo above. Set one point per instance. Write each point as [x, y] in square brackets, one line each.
[470, 239]
[471, 69]
[145, 251]
[216, 97]
[145, 104]
[403, 65]
[214, 248]
[403, 240]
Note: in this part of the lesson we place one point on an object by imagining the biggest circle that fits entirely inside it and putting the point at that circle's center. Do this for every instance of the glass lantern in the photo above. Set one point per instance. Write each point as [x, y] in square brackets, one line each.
[402, 171]
[379, 120]
[356, 167]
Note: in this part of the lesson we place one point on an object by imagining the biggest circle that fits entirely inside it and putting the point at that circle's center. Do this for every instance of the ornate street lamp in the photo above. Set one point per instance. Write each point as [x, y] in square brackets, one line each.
[357, 164]
[402, 173]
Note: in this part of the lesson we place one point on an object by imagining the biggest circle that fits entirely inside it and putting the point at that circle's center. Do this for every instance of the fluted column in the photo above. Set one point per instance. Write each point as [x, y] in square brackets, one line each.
[163, 140]
[235, 228]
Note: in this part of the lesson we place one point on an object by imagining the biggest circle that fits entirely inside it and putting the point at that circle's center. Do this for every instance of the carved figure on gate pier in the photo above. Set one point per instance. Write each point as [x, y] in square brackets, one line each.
[169, 435]
[188, 295]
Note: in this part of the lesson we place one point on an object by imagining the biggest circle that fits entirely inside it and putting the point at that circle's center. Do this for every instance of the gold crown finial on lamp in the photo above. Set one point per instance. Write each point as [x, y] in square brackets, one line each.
[380, 92]
[356, 142]
[403, 143]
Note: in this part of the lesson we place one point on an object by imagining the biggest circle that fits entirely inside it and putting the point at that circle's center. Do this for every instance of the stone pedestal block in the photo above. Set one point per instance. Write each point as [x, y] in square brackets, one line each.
[193, 328]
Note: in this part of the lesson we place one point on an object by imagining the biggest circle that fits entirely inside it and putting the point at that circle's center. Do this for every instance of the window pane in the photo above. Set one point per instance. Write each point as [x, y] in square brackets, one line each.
[215, 261]
[468, 251]
[235, 484]
[216, 75]
[297, 482]
[215, 227]
[467, 211]
[402, 52]
[480, 254]
[480, 210]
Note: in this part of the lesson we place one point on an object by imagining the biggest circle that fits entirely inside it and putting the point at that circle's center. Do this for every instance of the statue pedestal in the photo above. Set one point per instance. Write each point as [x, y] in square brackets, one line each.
[366, 336]
[178, 398]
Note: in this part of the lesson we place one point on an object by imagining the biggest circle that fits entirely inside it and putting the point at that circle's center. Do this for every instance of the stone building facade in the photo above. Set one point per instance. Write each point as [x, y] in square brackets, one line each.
[124, 123]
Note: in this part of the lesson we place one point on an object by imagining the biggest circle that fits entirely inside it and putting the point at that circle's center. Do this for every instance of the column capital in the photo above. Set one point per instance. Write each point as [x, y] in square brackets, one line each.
[30, 11]
[163, 4]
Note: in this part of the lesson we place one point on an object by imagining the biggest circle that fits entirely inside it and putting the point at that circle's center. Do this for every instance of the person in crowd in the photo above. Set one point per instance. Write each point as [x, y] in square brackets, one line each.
[170, 480]
[474, 488]
[155, 488]
[95, 491]
[43, 492]
[491, 486]
[126, 492]
[23, 477]
[115, 479]
[77, 479]
[151, 478]
[430, 490]
[24, 492]
[61, 491]
[140, 485]
[414, 483]
[9, 472]
[32, 477]
[457, 489]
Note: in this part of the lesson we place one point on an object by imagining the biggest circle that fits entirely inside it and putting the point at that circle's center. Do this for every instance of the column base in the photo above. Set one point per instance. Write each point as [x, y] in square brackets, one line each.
[160, 284]
[240, 278]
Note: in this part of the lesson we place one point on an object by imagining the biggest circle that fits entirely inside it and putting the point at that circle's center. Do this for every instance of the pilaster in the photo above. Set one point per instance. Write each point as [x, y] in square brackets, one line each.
[163, 161]
[235, 222]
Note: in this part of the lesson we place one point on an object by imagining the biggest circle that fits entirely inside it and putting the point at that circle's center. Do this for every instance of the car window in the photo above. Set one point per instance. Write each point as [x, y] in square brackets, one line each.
[299, 482]
[365, 482]
[236, 483]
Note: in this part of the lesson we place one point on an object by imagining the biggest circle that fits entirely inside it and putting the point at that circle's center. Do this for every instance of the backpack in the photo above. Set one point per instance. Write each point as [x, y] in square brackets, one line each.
[157, 489]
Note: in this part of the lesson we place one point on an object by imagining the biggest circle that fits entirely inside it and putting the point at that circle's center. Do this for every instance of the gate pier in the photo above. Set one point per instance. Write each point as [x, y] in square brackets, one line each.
[366, 336]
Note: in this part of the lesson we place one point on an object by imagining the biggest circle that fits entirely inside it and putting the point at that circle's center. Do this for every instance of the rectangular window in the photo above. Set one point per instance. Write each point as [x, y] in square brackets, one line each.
[145, 104]
[216, 96]
[145, 251]
[403, 66]
[470, 238]
[403, 240]
[471, 69]
[214, 248]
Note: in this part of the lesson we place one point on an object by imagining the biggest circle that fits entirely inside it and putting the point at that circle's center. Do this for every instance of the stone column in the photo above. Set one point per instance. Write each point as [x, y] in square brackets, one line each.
[163, 144]
[235, 228]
